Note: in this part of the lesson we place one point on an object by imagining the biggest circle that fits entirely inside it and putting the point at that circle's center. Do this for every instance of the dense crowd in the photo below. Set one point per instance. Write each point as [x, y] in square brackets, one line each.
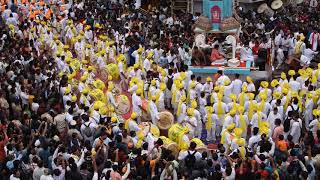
[68, 68]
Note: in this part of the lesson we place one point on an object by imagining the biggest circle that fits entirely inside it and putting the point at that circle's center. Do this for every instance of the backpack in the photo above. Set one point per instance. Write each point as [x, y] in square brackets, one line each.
[87, 130]
[190, 159]
[170, 82]
[286, 125]
[295, 111]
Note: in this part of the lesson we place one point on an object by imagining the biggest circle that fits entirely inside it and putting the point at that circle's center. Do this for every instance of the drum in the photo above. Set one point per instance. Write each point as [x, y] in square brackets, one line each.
[117, 90]
[201, 147]
[165, 121]
[170, 145]
[123, 105]
[176, 134]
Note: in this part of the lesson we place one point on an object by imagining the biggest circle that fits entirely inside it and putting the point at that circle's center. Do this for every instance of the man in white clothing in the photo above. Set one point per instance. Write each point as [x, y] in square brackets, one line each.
[236, 85]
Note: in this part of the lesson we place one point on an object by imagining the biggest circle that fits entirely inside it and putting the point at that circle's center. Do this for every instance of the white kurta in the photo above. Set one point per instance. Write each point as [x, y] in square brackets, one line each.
[295, 131]
[211, 134]
[228, 120]
[136, 103]
[183, 113]
[255, 119]
[308, 111]
[154, 112]
[313, 40]
[191, 123]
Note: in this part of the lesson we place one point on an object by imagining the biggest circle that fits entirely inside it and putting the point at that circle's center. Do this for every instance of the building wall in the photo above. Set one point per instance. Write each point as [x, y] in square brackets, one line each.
[197, 6]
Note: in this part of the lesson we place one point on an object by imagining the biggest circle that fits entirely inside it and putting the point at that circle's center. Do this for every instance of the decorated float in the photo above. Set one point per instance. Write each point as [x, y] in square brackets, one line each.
[220, 22]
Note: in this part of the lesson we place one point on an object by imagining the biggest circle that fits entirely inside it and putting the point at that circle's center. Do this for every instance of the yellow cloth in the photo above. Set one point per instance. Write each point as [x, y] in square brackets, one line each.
[286, 104]
[223, 136]
[174, 96]
[212, 98]
[149, 92]
[158, 97]
[262, 105]
[250, 110]
[126, 124]
[242, 152]
[300, 103]
[243, 124]
[220, 109]
[176, 133]
[85, 99]
[241, 98]
[259, 120]
[140, 62]
[209, 121]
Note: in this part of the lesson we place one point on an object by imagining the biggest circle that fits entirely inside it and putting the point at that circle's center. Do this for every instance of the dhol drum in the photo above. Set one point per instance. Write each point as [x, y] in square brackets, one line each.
[201, 147]
[170, 145]
[166, 120]
[123, 104]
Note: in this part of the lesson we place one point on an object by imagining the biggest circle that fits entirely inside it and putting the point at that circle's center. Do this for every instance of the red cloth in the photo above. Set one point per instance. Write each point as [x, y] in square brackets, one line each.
[2, 151]
[215, 55]
[255, 49]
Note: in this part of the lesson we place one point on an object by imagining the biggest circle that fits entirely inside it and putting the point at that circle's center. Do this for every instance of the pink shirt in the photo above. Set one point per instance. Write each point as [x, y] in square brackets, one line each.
[276, 132]
[215, 55]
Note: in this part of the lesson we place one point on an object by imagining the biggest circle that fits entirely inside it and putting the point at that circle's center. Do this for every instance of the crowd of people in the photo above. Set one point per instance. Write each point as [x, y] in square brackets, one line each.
[64, 66]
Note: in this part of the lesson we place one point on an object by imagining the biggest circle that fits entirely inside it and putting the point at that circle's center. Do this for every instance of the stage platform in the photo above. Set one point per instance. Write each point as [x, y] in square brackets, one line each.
[243, 69]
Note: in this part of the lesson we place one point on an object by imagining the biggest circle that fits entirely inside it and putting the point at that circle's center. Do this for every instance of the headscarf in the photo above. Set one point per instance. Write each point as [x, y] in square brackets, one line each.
[251, 105]
[209, 118]
[220, 107]
[183, 98]
[243, 124]
[242, 95]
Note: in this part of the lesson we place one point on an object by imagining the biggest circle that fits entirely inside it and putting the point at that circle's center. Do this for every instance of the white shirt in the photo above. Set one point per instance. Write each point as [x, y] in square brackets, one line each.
[146, 65]
[277, 40]
[184, 154]
[133, 126]
[136, 103]
[14, 178]
[46, 177]
[253, 140]
[228, 120]
[24, 97]
[272, 117]
[250, 86]
[224, 107]
[221, 79]
[236, 86]
[255, 119]
[295, 85]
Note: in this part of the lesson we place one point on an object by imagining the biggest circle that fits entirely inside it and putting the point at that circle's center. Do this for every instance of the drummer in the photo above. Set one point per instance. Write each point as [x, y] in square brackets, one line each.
[137, 104]
[153, 110]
